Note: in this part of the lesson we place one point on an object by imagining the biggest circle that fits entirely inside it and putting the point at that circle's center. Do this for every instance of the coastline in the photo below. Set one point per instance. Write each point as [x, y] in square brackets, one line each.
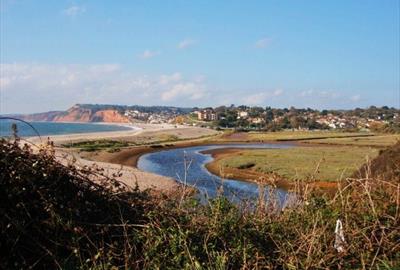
[125, 160]
[129, 156]
[134, 130]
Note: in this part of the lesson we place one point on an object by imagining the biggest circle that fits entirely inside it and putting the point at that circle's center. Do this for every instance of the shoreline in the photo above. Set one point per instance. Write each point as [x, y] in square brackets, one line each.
[128, 175]
[126, 159]
[130, 155]
[110, 135]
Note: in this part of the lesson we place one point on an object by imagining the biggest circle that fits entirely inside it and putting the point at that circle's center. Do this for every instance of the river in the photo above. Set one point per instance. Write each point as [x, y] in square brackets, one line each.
[172, 163]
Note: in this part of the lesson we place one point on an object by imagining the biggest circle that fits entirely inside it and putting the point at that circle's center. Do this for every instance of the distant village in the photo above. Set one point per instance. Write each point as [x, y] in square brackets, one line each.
[272, 119]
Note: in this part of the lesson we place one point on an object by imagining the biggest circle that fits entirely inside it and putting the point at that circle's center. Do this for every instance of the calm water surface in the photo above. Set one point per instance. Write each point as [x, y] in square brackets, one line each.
[53, 128]
[171, 163]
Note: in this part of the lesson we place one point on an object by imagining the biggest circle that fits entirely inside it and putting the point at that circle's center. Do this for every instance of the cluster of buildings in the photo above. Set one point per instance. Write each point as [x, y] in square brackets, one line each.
[303, 118]
[338, 122]
[211, 115]
[206, 115]
[258, 117]
[151, 118]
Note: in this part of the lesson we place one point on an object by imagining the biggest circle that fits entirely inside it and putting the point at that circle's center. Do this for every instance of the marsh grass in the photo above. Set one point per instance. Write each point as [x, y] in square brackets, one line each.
[55, 217]
[96, 145]
[378, 140]
[302, 163]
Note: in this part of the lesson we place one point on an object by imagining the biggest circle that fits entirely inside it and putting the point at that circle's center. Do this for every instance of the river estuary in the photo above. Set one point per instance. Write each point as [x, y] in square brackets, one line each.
[172, 163]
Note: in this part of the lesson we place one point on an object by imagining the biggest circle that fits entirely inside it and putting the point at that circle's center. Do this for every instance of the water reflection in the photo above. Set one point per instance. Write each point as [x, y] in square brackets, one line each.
[172, 163]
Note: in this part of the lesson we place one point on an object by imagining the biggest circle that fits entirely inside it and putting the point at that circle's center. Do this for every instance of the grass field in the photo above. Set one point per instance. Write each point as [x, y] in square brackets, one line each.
[318, 163]
[304, 135]
[374, 141]
[320, 137]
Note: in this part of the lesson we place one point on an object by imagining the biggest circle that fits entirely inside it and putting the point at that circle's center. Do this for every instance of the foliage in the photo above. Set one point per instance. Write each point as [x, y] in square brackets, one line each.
[276, 119]
[56, 217]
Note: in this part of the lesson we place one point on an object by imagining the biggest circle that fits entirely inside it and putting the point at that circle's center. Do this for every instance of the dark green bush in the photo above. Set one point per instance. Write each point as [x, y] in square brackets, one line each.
[53, 217]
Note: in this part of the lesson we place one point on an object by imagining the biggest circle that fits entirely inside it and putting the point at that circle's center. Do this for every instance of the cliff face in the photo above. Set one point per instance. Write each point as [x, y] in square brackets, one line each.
[109, 116]
[74, 114]
[79, 113]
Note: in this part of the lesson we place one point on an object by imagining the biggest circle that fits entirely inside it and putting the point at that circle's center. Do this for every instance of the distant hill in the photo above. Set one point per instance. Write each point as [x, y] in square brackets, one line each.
[98, 113]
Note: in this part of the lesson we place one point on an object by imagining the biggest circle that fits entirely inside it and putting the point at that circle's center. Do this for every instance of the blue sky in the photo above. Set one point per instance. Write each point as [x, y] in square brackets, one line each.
[319, 54]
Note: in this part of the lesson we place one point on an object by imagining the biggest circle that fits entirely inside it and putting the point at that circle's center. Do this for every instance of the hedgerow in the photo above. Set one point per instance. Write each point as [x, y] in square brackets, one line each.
[58, 216]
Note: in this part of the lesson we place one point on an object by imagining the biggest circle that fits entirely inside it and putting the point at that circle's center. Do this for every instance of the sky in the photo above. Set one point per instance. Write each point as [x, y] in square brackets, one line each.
[337, 54]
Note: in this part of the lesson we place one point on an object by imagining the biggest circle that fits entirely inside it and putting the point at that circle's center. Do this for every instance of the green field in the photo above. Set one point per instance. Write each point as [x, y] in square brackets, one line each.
[303, 163]
[95, 145]
[375, 141]
[304, 135]
[320, 137]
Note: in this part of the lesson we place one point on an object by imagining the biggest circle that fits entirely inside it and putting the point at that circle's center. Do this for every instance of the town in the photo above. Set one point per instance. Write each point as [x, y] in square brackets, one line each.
[243, 117]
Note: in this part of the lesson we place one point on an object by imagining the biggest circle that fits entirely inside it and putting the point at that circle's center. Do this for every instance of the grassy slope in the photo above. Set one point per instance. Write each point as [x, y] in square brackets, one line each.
[319, 163]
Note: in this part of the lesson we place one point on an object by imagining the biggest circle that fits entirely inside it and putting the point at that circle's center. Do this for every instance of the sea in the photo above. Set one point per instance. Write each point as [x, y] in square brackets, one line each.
[54, 128]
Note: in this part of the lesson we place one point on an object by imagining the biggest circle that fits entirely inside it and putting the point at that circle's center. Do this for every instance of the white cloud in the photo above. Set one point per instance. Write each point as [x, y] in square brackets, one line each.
[321, 94]
[306, 93]
[277, 92]
[148, 54]
[186, 43]
[187, 90]
[355, 98]
[74, 10]
[262, 43]
[166, 79]
[261, 98]
[33, 87]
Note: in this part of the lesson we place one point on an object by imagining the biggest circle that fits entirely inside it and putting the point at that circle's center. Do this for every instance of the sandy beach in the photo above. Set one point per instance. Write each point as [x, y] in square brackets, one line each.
[135, 130]
[124, 161]
[128, 175]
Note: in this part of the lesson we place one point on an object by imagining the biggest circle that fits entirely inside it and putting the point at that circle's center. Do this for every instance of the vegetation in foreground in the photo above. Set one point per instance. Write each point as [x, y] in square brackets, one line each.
[301, 163]
[55, 217]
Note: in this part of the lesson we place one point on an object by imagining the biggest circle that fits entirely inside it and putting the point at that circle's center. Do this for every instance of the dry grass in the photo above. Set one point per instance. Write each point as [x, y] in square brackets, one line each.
[291, 135]
[54, 217]
[374, 141]
[302, 163]
[319, 137]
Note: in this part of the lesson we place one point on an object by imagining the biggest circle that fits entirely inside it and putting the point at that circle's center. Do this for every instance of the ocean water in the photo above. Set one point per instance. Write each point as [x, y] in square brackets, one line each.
[52, 128]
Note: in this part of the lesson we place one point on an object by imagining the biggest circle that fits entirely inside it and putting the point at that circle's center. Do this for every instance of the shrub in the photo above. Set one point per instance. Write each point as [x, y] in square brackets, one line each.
[56, 216]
